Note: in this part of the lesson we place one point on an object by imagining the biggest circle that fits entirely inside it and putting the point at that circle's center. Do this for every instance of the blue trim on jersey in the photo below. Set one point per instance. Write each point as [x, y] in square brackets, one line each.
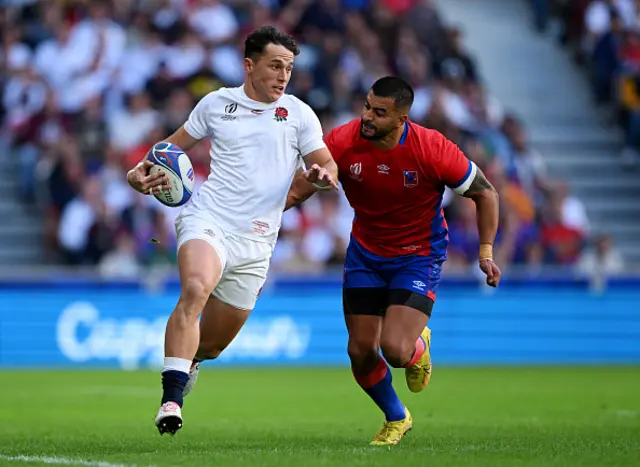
[439, 240]
[464, 179]
[403, 138]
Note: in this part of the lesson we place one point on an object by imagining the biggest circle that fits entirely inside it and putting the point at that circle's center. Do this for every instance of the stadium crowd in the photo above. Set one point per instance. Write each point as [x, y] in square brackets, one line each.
[89, 85]
[604, 36]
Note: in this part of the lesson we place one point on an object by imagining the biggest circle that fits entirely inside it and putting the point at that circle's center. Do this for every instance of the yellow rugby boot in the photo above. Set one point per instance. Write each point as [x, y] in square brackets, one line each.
[418, 375]
[392, 432]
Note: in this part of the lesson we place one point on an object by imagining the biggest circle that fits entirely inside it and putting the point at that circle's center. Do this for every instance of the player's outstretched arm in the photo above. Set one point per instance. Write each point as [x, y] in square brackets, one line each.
[322, 174]
[143, 182]
[487, 209]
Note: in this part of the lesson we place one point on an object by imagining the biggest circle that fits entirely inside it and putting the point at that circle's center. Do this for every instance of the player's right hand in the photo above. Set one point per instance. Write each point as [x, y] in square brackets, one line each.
[321, 178]
[143, 182]
[492, 271]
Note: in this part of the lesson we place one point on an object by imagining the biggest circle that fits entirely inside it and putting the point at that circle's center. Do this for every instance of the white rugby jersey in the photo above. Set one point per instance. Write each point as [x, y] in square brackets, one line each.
[255, 151]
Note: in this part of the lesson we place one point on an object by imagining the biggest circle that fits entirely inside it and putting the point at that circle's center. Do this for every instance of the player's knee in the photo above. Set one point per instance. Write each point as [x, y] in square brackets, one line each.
[397, 352]
[362, 353]
[194, 295]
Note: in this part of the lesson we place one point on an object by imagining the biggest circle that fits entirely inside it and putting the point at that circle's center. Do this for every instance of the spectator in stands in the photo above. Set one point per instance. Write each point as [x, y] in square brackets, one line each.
[122, 261]
[605, 59]
[562, 244]
[629, 95]
[524, 165]
[86, 226]
[39, 132]
[132, 125]
[602, 259]
[541, 14]
[574, 212]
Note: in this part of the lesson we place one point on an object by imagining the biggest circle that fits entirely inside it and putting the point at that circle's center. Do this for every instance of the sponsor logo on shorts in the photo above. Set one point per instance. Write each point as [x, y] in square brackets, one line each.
[419, 285]
[210, 232]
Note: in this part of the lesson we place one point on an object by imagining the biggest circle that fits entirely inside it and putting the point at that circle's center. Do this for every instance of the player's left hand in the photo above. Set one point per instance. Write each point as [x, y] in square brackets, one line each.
[321, 178]
[492, 271]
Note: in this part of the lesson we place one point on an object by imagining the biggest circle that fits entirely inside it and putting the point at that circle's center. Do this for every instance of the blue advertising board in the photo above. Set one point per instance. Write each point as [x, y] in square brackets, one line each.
[120, 326]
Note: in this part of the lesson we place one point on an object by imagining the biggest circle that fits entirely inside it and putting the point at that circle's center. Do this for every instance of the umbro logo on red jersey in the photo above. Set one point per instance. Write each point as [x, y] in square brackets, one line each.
[383, 169]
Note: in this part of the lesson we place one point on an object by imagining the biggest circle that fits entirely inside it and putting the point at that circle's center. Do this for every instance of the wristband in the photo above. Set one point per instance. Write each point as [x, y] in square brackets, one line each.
[486, 251]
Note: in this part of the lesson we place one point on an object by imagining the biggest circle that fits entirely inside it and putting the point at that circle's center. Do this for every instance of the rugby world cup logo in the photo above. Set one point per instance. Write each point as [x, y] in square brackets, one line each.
[355, 171]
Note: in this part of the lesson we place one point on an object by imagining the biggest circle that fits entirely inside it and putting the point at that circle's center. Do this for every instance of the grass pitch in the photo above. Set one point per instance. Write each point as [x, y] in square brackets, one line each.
[320, 417]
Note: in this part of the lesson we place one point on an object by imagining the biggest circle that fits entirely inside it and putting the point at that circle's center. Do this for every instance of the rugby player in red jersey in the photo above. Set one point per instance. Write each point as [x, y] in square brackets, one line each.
[394, 173]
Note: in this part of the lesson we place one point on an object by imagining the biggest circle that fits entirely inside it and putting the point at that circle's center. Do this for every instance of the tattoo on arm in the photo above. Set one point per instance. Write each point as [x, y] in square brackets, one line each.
[479, 184]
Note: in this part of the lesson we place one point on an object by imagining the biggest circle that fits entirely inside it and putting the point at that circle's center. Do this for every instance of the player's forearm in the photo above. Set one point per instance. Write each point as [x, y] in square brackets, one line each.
[487, 212]
[331, 167]
[294, 198]
[300, 191]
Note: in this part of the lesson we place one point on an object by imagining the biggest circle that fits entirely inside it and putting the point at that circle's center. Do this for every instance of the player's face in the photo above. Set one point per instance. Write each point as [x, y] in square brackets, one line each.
[379, 118]
[271, 73]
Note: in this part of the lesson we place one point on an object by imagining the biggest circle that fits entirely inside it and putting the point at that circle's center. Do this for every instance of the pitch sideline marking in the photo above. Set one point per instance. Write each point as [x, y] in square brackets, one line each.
[61, 460]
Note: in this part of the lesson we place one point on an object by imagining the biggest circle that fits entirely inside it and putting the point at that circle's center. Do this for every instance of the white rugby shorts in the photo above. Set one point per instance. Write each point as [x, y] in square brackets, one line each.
[245, 262]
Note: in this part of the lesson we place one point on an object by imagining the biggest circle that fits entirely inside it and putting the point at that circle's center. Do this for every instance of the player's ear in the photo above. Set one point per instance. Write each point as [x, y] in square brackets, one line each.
[248, 65]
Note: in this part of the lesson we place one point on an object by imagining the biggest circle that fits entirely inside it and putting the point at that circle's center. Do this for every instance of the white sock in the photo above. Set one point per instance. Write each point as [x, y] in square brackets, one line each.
[177, 364]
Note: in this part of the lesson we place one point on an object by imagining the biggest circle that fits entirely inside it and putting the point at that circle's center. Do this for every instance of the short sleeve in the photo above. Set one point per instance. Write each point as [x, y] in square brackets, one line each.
[309, 131]
[456, 171]
[197, 125]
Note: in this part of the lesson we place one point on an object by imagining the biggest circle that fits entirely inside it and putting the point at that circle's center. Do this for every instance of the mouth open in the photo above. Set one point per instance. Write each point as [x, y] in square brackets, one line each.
[368, 128]
[279, 88]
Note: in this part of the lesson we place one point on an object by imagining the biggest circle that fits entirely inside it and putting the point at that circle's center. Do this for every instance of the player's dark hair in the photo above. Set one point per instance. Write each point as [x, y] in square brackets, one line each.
[396, 88]
[258, 40]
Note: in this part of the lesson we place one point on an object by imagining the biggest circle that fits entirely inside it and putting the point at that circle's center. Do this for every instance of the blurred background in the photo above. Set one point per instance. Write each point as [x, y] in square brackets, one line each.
[544, 96]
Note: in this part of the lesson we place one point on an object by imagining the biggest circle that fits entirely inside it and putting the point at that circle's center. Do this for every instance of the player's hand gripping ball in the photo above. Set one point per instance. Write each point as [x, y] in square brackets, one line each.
[321, 178]
[492, 271]
[169, 159]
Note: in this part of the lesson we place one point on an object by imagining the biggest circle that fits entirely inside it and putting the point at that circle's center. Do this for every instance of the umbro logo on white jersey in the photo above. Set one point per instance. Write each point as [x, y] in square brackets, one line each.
[383, 169]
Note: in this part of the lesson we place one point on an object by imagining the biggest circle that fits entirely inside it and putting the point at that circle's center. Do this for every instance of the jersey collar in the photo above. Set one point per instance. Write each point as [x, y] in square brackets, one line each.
[403, 138]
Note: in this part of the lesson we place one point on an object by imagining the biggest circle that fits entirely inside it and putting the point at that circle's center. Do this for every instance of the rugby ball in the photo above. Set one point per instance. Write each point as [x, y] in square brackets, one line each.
[178, 168]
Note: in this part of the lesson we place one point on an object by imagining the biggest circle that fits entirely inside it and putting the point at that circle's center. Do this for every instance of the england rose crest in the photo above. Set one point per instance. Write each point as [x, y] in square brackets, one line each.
[281, 114]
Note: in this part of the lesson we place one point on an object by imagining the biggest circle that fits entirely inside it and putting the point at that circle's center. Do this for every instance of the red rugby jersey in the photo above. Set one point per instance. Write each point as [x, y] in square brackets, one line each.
[397, 194]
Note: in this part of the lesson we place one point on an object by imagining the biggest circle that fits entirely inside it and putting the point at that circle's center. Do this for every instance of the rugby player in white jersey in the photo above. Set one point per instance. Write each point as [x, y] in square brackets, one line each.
[227, 231]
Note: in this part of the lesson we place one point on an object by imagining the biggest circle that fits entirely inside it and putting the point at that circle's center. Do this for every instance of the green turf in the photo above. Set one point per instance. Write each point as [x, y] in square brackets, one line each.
[319, 417]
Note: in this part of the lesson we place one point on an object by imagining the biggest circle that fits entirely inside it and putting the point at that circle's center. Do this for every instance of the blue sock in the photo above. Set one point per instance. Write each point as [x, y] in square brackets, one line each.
[378, 385]
[173, 382]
